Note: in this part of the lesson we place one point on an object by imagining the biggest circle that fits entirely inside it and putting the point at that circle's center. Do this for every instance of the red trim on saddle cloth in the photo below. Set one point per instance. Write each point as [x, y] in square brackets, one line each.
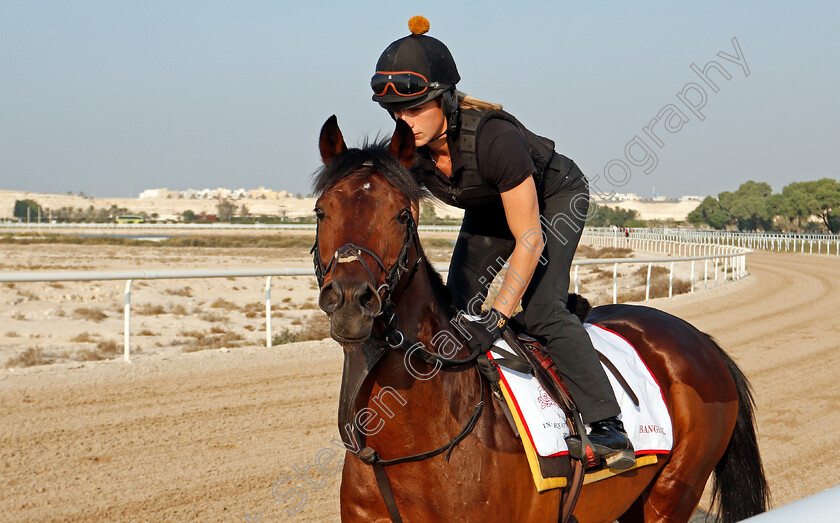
[522, 417]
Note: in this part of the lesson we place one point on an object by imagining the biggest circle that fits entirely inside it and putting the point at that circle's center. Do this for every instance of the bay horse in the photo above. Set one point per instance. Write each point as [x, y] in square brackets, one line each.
[448, 452]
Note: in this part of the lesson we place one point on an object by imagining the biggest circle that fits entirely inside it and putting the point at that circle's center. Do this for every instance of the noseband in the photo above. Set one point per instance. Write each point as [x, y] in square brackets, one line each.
[350, 252]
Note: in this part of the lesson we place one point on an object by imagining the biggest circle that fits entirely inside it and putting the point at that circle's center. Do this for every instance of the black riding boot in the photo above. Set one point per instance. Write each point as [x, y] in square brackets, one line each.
[609, 441]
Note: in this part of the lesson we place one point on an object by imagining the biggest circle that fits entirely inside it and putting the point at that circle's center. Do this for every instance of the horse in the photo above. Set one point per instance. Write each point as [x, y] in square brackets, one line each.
[426, 434]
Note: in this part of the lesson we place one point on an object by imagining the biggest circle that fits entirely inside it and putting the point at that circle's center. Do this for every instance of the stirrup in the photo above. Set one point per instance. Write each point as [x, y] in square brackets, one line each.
[614, 459]
[621, 460]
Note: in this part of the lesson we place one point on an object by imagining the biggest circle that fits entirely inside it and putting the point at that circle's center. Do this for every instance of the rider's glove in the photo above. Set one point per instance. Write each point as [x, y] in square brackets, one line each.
[484, 330]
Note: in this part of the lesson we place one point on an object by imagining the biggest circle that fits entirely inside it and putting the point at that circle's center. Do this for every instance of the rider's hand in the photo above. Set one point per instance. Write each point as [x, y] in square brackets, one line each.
[484, 330]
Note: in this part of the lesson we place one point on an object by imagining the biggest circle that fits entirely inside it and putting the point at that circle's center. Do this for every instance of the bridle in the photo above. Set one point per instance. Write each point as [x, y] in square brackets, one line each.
[350, 252]
[353, 376]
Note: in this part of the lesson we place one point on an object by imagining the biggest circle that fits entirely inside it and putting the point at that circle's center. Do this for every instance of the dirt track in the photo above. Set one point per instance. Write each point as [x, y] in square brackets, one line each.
[204, 436]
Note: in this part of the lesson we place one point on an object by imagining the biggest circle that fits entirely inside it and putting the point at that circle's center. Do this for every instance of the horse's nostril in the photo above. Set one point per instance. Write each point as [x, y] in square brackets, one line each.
[331, 297]
[368, 299]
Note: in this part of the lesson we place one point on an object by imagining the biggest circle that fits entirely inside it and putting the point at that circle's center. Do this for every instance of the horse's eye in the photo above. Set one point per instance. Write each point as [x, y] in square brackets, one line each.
[319, 214]
[404, 216]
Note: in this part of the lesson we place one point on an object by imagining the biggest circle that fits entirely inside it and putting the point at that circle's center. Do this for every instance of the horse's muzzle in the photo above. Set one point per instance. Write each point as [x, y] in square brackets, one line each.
[351, 306]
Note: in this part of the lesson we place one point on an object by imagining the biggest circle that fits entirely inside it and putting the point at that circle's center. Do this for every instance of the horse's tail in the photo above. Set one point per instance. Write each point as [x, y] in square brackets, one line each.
[740, 488]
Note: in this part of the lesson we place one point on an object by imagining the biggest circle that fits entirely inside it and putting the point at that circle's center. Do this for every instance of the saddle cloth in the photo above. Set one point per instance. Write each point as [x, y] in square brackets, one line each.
[542, 424]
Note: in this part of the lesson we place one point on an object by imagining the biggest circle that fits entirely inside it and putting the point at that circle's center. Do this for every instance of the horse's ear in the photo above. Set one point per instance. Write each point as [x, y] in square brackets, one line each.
[402, 144]
[331, 141]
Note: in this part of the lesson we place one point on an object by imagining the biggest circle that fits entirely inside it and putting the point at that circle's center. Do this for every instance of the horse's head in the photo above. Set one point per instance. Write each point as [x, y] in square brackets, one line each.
[365, 227]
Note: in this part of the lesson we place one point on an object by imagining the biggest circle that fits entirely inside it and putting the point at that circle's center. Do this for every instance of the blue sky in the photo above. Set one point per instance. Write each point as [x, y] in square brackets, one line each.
[111, 98]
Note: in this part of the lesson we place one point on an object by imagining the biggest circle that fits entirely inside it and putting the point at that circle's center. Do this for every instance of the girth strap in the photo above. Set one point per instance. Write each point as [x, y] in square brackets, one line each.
[623, 382]
[385, 489]
[573, 419]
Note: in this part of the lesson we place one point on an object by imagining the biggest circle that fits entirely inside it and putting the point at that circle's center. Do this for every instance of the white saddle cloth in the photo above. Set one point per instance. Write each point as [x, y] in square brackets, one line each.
[648, 426]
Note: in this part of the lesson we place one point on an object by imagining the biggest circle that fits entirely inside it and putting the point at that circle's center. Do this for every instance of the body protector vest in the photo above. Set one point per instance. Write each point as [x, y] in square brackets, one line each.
[471, 189]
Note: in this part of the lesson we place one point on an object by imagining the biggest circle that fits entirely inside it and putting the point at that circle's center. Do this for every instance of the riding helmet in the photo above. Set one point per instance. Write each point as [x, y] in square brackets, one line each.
[423, 55]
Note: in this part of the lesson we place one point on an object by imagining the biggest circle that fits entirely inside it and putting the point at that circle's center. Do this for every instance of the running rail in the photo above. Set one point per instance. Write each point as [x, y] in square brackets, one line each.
[734, 257]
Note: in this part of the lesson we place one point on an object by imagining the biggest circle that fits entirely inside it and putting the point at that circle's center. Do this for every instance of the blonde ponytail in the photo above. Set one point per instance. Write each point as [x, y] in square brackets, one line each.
[466, 101]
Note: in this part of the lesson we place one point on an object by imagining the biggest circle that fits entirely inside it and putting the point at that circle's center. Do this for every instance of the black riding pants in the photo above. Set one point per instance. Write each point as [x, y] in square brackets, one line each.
[484, 244]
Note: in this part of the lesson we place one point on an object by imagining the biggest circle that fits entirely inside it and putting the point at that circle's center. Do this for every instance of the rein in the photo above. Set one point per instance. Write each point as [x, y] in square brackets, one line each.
[356, 370]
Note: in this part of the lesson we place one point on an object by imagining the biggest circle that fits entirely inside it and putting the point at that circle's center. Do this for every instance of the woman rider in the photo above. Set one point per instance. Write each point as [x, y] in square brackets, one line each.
[521, 199]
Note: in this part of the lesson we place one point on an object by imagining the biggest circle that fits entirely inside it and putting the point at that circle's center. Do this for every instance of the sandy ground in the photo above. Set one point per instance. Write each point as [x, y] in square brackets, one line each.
[228, 434]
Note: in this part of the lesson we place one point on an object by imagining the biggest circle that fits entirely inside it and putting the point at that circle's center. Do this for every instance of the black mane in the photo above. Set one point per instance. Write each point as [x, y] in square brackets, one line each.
[352, 161]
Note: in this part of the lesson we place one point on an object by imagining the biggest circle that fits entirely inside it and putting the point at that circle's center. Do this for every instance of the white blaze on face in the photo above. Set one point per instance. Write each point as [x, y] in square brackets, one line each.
[366, 186]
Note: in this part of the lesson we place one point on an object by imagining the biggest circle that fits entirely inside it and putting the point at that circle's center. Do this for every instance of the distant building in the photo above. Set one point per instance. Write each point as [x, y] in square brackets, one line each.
[219, 193]
[617, 197]
[627, 197]
[159, 193]
[206, 218]
[262, 194]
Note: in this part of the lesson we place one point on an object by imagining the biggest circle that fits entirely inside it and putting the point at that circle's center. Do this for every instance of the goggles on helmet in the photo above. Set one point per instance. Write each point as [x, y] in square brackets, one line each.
[403, 83]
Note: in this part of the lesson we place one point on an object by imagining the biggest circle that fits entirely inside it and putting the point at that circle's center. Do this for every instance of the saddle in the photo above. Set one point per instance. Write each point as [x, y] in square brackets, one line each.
[530, 357]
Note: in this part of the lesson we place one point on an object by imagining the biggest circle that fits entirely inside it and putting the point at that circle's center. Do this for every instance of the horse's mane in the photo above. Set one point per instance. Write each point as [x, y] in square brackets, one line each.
[378, 159]
[442, 293]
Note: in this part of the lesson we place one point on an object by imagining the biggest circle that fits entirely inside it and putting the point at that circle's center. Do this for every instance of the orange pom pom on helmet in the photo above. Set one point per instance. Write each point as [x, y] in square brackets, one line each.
[418, 25]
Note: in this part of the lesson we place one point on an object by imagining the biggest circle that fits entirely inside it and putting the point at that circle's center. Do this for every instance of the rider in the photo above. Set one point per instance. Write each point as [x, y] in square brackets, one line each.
[512, 185]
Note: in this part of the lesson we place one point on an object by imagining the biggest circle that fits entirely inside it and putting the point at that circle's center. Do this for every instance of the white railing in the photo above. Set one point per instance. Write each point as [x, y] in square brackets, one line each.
[139, 227]
[773, 241]
[129, 276]
[752, 240]
[678, 251]
[737, 255]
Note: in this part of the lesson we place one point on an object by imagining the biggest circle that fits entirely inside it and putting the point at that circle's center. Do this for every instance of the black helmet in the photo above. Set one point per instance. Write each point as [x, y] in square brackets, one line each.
[414, 70]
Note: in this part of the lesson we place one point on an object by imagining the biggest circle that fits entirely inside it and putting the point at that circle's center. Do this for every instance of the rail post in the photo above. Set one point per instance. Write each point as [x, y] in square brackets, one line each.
[268, 311]
[671, 281]
[692, 276]
[647, 284]
[615, 283]
[127, 319]
[576, 279]
[716, 272]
